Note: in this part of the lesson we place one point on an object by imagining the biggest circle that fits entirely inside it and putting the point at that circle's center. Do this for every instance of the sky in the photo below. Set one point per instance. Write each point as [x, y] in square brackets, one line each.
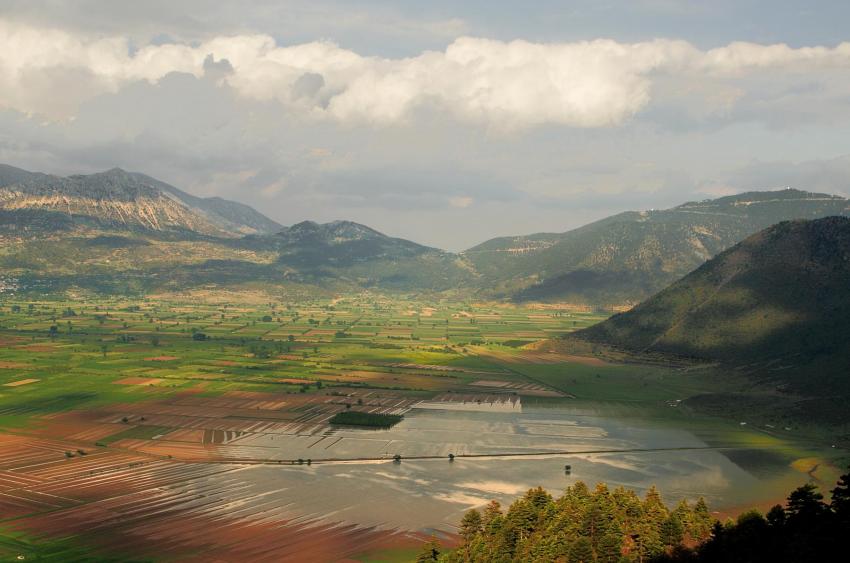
[442, 123]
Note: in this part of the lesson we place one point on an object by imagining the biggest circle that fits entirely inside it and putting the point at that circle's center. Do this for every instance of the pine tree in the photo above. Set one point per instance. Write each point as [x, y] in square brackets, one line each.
[776, 516]
[581, 551]
[672, 531]
[522, 518]
[470, 526]
[805, 504]
[491, 511]
[655, 513]
[702, 521]
[578, 491]
[840, 503]
[538, 498]
[610, 548]
[685, 515]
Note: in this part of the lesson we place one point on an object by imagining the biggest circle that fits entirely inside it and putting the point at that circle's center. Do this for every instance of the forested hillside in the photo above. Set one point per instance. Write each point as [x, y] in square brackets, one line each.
[777, 304]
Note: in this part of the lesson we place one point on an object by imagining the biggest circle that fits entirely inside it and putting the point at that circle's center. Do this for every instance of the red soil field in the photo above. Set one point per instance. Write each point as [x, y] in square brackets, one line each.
[173, 496]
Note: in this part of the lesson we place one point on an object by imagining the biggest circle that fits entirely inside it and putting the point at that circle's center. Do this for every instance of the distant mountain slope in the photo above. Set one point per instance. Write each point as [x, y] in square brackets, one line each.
[341, 243]
[127, 233]
[357, 254]
[629, 256]
[776, 305]
[120, 198]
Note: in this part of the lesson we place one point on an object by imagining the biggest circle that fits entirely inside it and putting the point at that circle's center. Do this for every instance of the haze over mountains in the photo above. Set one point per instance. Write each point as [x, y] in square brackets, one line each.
[126, 231]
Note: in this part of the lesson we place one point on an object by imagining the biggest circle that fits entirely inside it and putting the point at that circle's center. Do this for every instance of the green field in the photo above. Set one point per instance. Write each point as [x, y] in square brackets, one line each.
[79, 353]
[71, 355]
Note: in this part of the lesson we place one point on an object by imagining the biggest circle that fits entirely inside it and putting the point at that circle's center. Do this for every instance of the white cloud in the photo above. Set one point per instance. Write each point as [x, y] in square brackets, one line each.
[505, 85]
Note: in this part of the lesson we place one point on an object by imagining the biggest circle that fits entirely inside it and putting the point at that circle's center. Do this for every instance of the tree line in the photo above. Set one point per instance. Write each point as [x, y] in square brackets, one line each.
[618, 526]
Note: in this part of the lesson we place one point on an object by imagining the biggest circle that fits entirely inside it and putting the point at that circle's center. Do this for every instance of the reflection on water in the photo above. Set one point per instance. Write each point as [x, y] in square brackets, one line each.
[433, 493]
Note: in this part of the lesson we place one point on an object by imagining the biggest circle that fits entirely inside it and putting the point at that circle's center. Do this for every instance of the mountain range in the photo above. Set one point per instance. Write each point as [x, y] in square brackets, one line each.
[125, 231]
[629, 256]
[119, 231]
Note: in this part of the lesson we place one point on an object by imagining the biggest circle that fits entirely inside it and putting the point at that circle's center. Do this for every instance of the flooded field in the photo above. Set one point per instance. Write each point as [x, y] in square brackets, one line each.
[518, 450]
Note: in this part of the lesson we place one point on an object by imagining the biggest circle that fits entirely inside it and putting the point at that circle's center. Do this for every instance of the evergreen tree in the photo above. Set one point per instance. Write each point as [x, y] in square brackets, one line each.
[776, 516]
[672, 531]
[840, 503]
[701, 521]
[582, 525]
[521, 518]
[649, 540]
[470, 526]
[684, 513]
[491, 511]
[610, 548]
[805, 505]
[581, 551]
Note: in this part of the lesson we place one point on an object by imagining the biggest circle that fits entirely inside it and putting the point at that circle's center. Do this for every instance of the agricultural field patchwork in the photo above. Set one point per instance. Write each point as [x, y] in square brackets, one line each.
[125, 421]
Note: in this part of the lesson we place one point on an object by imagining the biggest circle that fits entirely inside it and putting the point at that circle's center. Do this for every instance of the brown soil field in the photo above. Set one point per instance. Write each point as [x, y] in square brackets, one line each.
[186, 435]
[534, 355]
[38, 347]
[13, 365]
[131, 500]
[161, 358]
[387, 379]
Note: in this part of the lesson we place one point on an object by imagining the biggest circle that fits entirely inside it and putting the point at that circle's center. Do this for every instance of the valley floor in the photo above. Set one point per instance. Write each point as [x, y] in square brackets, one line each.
[186, 429]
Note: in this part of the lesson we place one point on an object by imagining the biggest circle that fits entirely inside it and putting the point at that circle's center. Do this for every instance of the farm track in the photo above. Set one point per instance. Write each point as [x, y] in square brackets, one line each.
[481, 456]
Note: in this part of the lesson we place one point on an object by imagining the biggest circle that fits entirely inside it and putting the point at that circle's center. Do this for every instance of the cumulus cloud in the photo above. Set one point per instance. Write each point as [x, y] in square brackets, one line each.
[508, 85]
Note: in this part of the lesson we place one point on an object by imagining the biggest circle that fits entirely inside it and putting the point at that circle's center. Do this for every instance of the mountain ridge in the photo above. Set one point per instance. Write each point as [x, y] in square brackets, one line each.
[118, 231]
[128, 198]
[628, 256]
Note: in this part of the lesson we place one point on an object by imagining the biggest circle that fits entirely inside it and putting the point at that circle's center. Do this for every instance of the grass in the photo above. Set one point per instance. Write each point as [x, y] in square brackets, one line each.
[15, 546]
[388, 555]
[371, 420]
